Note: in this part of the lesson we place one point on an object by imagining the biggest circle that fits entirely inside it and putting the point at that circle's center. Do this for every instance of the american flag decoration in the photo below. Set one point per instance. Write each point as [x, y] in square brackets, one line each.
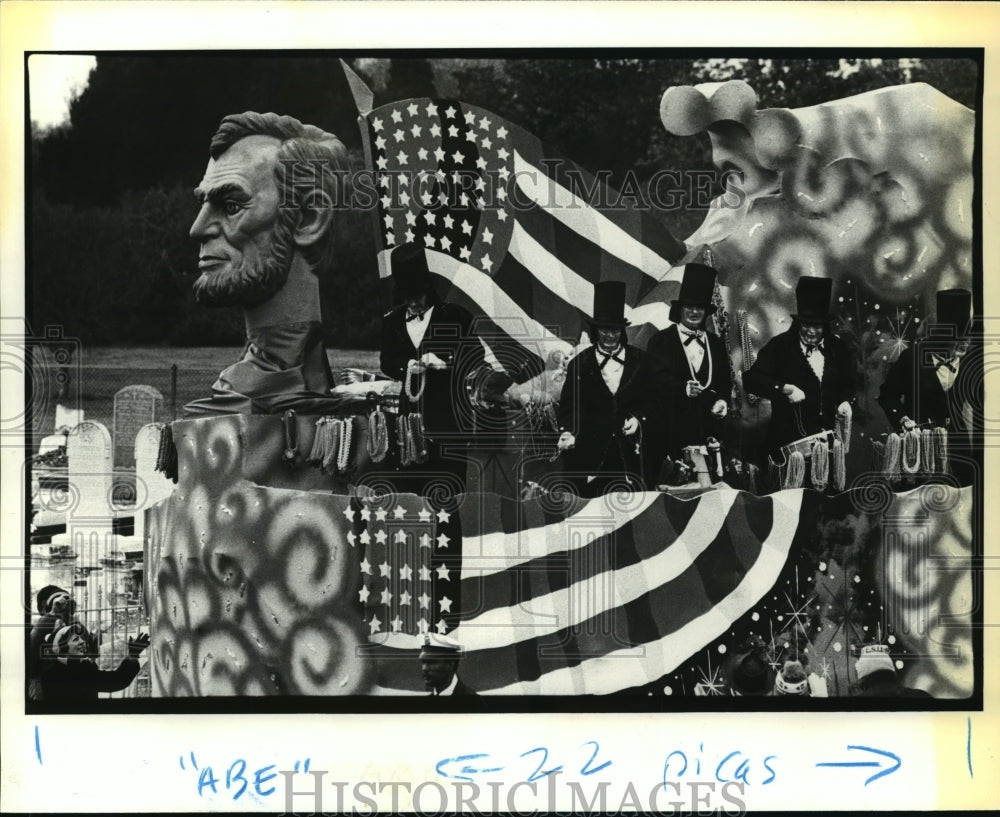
[509, 223]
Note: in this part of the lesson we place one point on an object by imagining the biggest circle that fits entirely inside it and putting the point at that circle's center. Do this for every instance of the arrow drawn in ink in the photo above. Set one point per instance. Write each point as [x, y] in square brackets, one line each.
[870, 763]
[38, 746]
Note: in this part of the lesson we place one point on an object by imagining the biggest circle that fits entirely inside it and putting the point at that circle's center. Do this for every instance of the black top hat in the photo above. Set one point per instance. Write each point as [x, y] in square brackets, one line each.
[812, 299]
[609, 305]
[410, 275]
[697, 288]
[954, 308]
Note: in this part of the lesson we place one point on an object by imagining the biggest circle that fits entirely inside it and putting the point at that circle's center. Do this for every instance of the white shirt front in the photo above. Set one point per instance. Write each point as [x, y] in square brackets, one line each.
[448, 690]
[612, 370]
[815, 359]
[694, 350]
[945, 375]
[417, 327]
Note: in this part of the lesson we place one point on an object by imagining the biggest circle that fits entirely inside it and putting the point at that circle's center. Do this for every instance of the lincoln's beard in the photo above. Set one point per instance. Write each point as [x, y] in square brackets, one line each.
[251, 283]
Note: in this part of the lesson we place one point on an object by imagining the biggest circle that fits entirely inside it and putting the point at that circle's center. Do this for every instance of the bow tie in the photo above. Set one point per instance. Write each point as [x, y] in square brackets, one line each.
[415, 316]
[690, 336]
[812, 347]
[610, 356]
[949, 364]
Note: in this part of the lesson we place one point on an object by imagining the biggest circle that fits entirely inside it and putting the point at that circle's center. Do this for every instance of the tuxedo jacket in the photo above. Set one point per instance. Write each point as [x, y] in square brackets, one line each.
[683, 420]
[595, 416]
[444, 403]
[782, 361]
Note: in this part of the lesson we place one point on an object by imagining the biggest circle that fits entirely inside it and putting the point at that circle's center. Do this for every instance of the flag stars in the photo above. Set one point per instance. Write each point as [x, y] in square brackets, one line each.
[481, 163]
[442, 199]
[425, 540]
[405, 573]
[503, 173]
[386, 203]
[404, 598]
[386, 597]
[380, 537]
[397, 117]
[388, 221]
[412, 109]
[404, 198]
[464, 253]
[411, 218]
[402, 158]
[464, 199]
[480, 184]
[381, 514]
[426, 199]
[467, 229]
[397, 624]
[450, 112]
[385, 570]
[431, 109]
[439, 154]
[501, 132]
[435, 130]
[390, 239]
[429, 241]
[366, 537]
[443, 516]
[453, 131]
[502, 193]
[383, 181]
[366, 566]
[375, 625]
[487, 236]
[502, 215]
[399, 135]
[415, 130]
[445, 243]
[409, 236]
[443, 573]
[457, 157]
[443, 541]
[441, 627]
[470, 136]
[363, 594]
[502, 153]
[487, 262]
[399, 512]
[422, 625]
[422, 154]
[382, 163]
[376, 124]
[424, 601]
[445, 604]
[486, 142]
[403, 179]
[399, 537]
[380, 142]
[425, 573]
[429, 217]
[470, 118]
[351, 538]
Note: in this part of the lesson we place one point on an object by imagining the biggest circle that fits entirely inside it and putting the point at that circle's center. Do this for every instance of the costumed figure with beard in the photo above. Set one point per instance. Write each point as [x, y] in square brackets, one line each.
[807, 372]
[265, 231]
[938, 383]
[605, 402]
[690, 371]
[72, 676]
[429, 345]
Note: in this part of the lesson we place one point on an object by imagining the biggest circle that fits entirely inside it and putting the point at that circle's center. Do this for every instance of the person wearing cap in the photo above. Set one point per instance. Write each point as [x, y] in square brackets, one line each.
[749, 673]
[72, 675]
[877, 675]
[606, 398]
[939, 379]
[792, 680]
[439, 659]
[55, 608]
[690, 368]
[807, 372]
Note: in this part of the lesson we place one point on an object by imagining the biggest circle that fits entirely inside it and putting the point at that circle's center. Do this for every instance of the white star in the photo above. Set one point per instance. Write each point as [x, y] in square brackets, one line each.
[403, 179]
[480, 204]
[445, 604]
[404, 598]
[397, 116]
[466, 227]
[502, 132]
[429, 241]
[350, 534]
[422, 154]
[384, 181]
[415, 130]
[385, 570]
[487, 236]
[442, 541]
[448, 221]
[400, 537]
[424, 600]
[458, 157]
[442, 628]
[399, 512]
[431, 109]
[411, 218]
[443, 516]
[387, 202]
[487, 142]
[388, 221]
[366, 537]
[366, 566]
[429, 217]
[404, 198]
[445, 243]
[390, 239]
[397, 624]
[465, 252]
[380, 536]
[450, 113]
[382, 163]
[399, 135]
[380, 142]
[405, 573]
[502, 215]
[376, 124]
[470, 136]
[502, 194]
[456, 177]
[409, 236]
[503, 173]
[486, 262]
[439, 154]
[376, 625]
[424, 515]
[425, 198]
[425, 573]
[411, 109]
[452, 131]
[402, 158]
[443, 573]
[422, 625]
[464, 199]
[481, 163]
[470, 118]
[480, 183]
[425, 540]
[502, 153]
[386, 597]
[435, 130]
[363, 594]
[485, 123]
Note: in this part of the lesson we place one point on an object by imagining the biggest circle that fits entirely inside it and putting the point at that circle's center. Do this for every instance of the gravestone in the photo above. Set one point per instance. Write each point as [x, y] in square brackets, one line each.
[150, 485]
[135, 407]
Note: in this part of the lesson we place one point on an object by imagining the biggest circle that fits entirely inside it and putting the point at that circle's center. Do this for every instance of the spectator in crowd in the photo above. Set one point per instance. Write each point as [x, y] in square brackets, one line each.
[877, 675]
[439, 659]
[72, 675]
[55, 608]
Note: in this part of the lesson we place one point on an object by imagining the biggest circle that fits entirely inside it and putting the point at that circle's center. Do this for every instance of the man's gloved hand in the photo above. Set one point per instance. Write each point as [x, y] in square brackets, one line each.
[432, 361]
[566, 440]
[720, 409]
[631, 426]
[907, 424]
[793, 393]
[845, 410]
[693, 388]
[137, 645]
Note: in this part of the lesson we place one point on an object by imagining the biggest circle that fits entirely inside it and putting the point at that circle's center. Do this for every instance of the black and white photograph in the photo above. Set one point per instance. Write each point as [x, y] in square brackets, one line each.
[555, 380]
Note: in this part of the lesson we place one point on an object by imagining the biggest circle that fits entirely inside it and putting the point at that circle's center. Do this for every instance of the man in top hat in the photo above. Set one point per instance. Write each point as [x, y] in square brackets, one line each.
[690, 368]
[806, 372]
[72, 675]
[439, 658]
[605, 400]
[877, 675]
[429, 345]
[939, 379]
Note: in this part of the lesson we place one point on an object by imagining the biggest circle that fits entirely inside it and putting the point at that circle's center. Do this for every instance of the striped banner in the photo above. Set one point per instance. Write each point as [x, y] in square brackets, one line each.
[593, 597]
[520, 233]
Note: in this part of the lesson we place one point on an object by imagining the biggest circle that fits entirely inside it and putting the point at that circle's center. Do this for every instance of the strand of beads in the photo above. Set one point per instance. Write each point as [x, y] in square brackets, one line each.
[843, 430]
[911, 451]
[941, 448]
[378, 435]
[344, 449]
[796, 473]
[892, 457]
[927, 450]
[412, 370]
[419, 439]
[819, 471]
[839, 464]
[318, 450]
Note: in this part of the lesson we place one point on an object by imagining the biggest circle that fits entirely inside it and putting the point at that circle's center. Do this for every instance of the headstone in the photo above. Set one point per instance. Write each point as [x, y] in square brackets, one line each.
[68, 418]
[135, 407]
[150, 485]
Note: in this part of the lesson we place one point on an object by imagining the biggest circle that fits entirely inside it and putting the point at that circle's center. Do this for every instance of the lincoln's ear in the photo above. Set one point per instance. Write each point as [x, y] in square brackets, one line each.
[314, 220]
